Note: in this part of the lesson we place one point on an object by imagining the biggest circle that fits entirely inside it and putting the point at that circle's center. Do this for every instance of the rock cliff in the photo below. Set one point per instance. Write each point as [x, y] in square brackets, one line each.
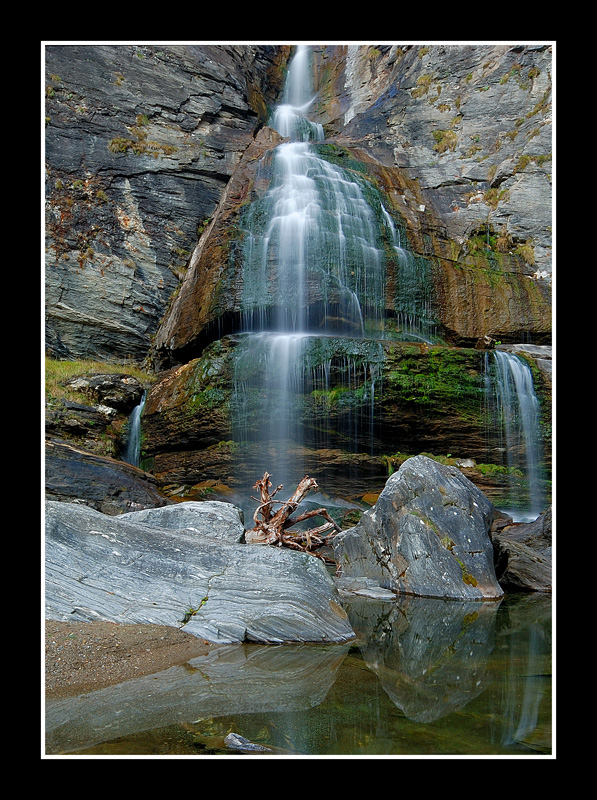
[152, 156]
[143, 143]
[140, 142]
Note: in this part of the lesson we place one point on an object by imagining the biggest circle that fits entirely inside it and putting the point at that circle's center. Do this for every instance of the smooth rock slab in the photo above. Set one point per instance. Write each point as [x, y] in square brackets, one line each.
[427, 535]
[206, 518]
[116, 569]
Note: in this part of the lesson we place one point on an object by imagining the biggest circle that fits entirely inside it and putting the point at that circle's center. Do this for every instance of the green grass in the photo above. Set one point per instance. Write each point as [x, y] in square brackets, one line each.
[58, 373]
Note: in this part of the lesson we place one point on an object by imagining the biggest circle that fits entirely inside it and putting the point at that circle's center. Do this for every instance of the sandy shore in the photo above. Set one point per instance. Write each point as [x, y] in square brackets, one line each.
[81, 657]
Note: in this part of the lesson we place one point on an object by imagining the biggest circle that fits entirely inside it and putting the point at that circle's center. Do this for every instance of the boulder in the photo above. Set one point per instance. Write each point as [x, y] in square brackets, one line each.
[427, 535]
[523, 557]
[121, 392]
[131, 569]
[74, 474]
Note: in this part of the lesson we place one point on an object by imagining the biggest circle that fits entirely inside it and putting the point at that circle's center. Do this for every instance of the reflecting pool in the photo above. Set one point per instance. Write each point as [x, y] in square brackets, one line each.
[423, 678]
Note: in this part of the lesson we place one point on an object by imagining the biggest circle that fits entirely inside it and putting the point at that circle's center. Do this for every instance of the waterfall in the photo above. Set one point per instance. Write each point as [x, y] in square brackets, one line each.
[313, 244]
[314, 267]
[133, 445]
[515, 414]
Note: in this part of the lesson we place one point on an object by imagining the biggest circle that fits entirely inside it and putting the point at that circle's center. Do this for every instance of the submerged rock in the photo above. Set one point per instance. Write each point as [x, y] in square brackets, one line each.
[427, 535]
[237, 742]
[133, 569]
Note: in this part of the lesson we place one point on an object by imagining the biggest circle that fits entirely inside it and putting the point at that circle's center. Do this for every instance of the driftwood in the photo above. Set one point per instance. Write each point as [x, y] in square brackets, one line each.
[272, 526]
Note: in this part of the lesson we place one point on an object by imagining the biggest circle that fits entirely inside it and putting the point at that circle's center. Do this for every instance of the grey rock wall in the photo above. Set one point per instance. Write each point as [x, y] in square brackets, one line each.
[471, 125]
[140, 142]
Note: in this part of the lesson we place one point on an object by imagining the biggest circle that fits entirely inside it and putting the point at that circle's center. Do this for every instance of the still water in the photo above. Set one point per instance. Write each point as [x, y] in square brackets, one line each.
[423, 678]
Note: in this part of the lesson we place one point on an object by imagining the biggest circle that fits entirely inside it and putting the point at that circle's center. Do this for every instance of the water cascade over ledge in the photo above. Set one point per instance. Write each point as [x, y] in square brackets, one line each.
[315, 253]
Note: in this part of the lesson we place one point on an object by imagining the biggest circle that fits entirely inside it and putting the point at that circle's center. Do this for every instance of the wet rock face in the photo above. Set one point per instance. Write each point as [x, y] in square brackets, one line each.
[470, 125]
[460, 137]
[212, 418]
[523, 555]
[471, 187]
[102, 483]
[428, 535]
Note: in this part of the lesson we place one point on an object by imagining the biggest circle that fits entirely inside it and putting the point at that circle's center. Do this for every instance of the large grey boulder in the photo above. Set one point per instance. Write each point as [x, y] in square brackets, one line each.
[120, 569]
[427, 535]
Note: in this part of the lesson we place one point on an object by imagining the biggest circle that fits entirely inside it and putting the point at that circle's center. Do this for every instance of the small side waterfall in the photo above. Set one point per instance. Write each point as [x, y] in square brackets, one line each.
[514, 412]
[133, 447]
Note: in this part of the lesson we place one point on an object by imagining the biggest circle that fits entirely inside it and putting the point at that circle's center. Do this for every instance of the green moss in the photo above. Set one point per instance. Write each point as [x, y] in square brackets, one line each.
[497, 469]
[328, 398]
[466, 576]
[440, 376]
[58, 373]
[426, 520]
[190, 613]
[423, 85]
[139, 144]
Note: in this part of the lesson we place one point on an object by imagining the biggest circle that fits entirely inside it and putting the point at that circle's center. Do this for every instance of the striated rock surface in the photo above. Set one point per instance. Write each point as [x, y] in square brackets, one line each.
[133, 570]
[208, 518]
[427, 535]
[140, 143]
[469, 126]
[210, 293]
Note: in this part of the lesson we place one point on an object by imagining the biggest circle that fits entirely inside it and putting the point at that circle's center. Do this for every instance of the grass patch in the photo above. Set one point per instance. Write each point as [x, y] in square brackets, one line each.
[59, 373]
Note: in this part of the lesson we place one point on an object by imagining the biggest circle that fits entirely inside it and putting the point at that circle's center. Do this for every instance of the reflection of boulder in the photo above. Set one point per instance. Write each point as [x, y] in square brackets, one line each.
[230, 679]
[428, 535]
[132, 569]
[428, 654]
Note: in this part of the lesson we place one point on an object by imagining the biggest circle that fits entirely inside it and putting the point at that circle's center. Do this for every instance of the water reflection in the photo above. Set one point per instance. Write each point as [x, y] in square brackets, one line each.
[239, 679]
[426, 677]
[430, 655]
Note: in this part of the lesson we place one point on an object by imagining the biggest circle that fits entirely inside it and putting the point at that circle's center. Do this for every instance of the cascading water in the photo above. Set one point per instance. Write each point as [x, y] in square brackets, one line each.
[515, 414]
[315, 263]
[132, 454]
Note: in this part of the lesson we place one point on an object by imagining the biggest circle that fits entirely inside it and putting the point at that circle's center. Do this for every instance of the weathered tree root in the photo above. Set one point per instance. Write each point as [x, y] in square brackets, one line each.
[272, 527]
